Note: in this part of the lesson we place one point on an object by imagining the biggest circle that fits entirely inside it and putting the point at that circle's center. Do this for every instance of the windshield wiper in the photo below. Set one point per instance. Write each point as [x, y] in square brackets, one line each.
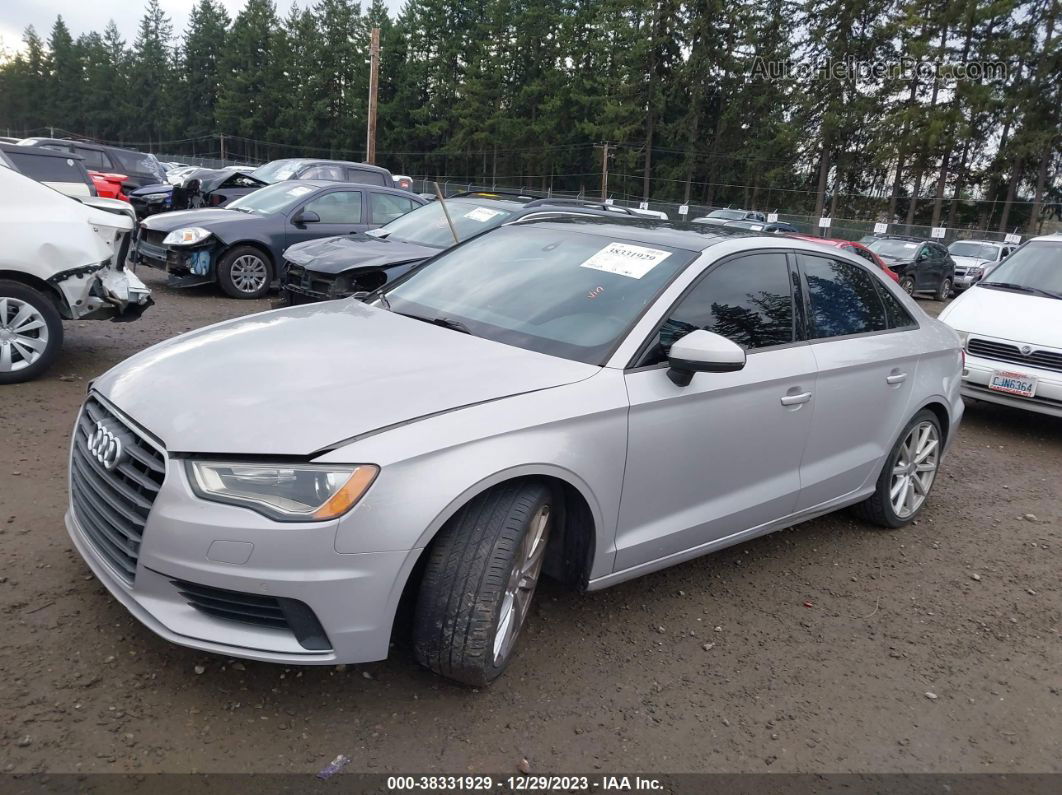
[1021, 288]
[445, 322]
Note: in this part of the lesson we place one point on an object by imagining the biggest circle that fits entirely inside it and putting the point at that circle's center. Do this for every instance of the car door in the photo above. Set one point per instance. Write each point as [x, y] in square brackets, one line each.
[923, 268]
[721, 455]
[341, 212]
[860, 339]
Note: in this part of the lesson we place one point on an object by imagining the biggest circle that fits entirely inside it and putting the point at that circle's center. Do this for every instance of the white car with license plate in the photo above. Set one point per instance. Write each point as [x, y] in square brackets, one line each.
[1011, 327]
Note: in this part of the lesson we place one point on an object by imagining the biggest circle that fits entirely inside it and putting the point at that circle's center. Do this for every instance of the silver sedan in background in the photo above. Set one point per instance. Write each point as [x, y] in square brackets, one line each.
[584, 398]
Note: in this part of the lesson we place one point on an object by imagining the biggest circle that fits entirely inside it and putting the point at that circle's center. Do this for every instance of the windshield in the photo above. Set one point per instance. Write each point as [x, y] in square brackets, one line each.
[891, 247]
[961, 248]
[1035, 267]
[427, 225]
[277, 170]
[729, 215]
[562, 292]
[272, 199]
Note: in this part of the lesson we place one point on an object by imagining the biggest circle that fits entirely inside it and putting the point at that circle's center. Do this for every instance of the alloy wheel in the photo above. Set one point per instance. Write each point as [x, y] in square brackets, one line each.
[249, 273]
[23, 334]
[914, 469]
[523, 578]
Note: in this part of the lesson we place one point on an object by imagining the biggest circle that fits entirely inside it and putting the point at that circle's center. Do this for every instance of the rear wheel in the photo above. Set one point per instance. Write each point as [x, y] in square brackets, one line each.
[244, 272]
[479, 582]
[31, 332]
[908, 474]
[944, 291]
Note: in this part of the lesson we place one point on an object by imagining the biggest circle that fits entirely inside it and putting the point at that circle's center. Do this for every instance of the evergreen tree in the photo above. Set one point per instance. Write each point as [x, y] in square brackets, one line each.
[199, 77]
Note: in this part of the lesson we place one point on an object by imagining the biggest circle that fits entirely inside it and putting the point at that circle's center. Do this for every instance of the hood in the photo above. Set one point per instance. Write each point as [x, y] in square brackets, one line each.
[969, 262]
[211, 219]
[295, 381]
[338, 254]
[894, 262]
[147, 190]
[1007, 315]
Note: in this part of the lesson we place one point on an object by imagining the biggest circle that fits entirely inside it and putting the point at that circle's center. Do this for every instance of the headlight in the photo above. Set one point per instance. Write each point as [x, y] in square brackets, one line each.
[285, 492]
[186, 237]
[156, 197]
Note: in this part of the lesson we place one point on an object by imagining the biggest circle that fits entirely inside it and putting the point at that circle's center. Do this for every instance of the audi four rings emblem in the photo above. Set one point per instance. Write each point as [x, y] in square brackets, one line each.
[105, 446]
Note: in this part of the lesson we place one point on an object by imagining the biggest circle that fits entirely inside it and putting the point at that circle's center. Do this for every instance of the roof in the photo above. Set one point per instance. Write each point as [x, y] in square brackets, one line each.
[1055, 238]
[645, 230]
[326, 183]
[38, 151]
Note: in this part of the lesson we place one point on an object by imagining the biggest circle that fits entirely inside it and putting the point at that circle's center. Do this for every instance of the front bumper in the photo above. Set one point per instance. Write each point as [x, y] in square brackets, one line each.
[352, 596]
[966, 279]
[978, 373]
[191, 265]
[302, 286]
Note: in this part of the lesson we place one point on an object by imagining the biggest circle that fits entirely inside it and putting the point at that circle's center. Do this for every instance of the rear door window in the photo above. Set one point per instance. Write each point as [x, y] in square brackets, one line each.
[94, 159]
[844, 298]
[386, 207]
[334, 173]
[338, 207]
[366, 176]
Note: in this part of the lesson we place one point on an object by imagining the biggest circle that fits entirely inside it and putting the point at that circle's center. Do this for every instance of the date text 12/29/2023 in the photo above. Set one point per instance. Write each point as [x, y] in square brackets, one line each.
[523, 783]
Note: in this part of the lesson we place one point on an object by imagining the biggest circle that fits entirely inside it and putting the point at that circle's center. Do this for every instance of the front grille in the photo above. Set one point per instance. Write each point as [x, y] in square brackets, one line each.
[152, 237]
[275, 612]
[112, 505]
[1003, 352]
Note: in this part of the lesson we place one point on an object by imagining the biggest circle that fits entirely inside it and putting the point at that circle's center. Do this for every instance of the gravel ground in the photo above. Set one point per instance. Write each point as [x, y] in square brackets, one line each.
[829, 647]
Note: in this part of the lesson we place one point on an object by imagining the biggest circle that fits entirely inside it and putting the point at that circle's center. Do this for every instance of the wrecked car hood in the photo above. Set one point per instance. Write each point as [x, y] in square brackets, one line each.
[338, 254]
[213, 219]
[294, 381]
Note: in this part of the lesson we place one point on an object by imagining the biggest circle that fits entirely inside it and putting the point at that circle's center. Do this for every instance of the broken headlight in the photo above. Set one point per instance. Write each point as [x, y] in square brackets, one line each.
[188, 236]
[285, 492]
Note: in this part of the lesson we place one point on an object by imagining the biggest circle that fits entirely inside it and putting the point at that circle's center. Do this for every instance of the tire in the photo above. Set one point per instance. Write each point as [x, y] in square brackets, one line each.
[28, 347]
[907, 284]
[245, 272]
[944, 291]
[879, 508]
[472, 589]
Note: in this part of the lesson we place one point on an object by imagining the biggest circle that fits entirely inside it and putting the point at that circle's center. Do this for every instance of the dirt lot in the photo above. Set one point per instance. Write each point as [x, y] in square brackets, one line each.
[829, 647]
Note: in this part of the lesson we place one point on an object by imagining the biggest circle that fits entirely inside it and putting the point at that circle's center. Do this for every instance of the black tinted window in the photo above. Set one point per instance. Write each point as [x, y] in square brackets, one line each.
[94, 158]
[748, 300]
[895, 315]
[48, 169]
[844, 298]
[366, 176]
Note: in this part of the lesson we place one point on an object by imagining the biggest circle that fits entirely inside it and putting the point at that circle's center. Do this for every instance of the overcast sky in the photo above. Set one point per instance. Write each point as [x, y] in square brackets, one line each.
[82, 17]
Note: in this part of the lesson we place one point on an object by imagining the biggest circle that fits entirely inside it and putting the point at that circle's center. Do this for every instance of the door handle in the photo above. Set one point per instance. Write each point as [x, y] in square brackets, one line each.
[896, 378]
[796, 400]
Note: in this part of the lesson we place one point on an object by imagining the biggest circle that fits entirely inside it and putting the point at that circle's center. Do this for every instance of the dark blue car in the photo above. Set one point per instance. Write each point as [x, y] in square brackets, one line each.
[241, 246]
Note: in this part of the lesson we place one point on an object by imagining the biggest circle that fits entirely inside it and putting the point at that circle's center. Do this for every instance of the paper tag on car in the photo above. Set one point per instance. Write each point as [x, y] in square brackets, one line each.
[623, 259]
[299, 190]
[482, 214]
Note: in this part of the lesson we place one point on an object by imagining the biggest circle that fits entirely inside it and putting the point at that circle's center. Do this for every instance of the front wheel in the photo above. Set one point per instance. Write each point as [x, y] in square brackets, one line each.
[244, 272]
[478, 584]
[944, 291]
[908, 474]
[31, 332]
[907, 284]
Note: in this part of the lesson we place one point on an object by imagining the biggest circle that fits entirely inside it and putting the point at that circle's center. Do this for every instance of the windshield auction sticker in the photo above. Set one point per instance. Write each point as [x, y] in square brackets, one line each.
[482, 214]
[623, 259]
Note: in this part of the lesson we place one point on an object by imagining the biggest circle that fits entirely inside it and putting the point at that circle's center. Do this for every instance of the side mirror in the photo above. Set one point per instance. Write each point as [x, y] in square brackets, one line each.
[306, 217]
[703, 351]
[922, 256]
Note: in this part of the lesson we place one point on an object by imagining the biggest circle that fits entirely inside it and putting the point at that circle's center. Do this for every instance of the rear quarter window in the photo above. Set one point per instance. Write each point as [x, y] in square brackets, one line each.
[48, 169]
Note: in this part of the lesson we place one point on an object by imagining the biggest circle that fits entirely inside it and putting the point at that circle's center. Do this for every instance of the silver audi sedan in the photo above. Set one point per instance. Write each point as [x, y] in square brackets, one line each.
[582, 399]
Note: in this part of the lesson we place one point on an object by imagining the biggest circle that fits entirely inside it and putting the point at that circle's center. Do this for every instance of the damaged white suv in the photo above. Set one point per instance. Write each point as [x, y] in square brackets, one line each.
[61, 258]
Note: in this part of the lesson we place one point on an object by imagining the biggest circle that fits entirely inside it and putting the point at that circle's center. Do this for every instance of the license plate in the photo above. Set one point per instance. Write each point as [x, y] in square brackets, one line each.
[1013, 383]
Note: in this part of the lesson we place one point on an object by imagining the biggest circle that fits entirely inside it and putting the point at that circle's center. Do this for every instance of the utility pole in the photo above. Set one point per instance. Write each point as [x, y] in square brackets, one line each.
[374, 84]
[221, 141]
[604, 171]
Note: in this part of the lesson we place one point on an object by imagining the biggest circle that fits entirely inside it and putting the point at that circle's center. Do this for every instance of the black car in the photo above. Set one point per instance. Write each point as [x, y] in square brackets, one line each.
[62, 171]
[240, 246]
[334, 170]
[924, 266]
[141, 168]
[339, 267]
[762, 226]
[200, 187]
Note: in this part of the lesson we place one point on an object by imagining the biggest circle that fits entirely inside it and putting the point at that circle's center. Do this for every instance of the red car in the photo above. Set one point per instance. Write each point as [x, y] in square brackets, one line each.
[856, 248]
[109, 186]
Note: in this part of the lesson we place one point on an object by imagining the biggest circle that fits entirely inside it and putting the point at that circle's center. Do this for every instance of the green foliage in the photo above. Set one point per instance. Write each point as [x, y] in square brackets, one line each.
[526, 91]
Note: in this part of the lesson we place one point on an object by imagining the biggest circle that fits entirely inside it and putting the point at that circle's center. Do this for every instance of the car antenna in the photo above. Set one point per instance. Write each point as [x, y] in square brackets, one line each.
[439, 196]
